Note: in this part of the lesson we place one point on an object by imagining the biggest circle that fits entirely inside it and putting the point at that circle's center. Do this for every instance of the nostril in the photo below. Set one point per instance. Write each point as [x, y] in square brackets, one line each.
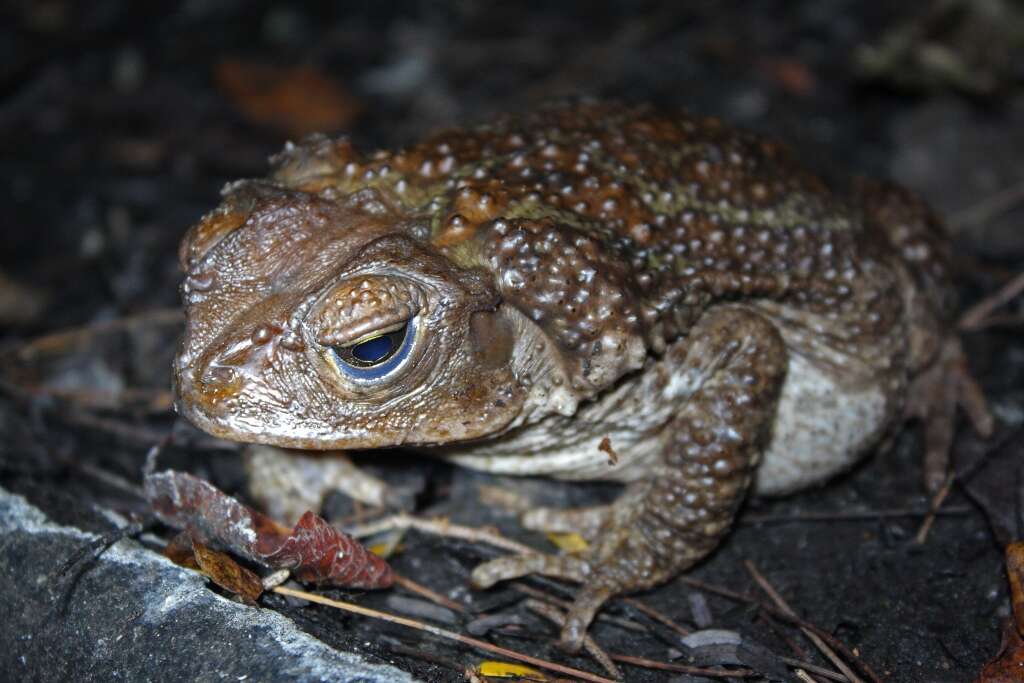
[217, 376]
[202, 281]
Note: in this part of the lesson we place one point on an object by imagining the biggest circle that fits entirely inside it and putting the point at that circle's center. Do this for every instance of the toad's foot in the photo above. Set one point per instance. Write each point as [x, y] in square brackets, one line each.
[731, 369]
[620, 559]
[287, 483]
[933, 397]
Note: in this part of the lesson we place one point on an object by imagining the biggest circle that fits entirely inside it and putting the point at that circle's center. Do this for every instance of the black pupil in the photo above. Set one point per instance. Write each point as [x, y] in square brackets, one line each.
[373, 351]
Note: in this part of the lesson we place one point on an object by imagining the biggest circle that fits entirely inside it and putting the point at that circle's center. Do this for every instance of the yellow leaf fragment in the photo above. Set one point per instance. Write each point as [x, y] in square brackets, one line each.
[380, 549]
[569, 543]
[494, 669]
[389, 545]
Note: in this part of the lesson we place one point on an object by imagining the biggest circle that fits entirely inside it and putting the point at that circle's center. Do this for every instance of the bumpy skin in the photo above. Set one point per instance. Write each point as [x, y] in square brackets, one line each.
[596, 291]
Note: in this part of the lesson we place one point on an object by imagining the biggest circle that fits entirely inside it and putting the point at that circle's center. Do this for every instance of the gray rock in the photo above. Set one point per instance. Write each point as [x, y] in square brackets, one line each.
[135, 616]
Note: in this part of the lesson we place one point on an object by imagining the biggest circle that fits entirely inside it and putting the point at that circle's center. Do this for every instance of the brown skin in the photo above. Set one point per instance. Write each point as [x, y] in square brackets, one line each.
[585, 255]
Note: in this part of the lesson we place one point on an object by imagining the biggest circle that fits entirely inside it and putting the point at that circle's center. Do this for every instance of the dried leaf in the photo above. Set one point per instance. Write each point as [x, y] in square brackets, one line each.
[187, 552]
[389, 545]
[1008, 664]
[1015, 573]
[227, 573]
[297, 100]
[569, 543]
[495, 669]
[179, 551]
[313, 550]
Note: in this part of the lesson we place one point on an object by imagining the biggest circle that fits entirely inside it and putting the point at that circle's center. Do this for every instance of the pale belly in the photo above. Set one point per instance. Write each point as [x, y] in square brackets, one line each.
[823, 424]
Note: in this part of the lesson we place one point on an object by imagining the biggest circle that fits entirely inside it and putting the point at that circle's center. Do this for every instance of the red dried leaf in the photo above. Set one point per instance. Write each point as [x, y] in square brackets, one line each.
[319, 553]
[314, 551]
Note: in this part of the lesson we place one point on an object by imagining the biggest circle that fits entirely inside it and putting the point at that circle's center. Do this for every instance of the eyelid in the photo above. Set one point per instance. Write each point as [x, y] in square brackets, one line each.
[360, 307]
[376, 372]
[379, 332]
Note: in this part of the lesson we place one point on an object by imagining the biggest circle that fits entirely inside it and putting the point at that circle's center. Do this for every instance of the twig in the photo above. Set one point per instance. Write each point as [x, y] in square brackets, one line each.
[565, 604]
[60, 341]
[76, 565]
[120, 428]
[142, 434]
[1003, 320]
[988, 208]
[936, 503]
[435, 597]
[421, 654]
[656, 615]
[774, 627]
[371, 516]
[813, 669]
[440, 527]
[553, 614]
[156, 401]
[977, 314]
[475, 535]
[818, 642]
[788, 617]
[442, 633]
[153, 400]
[110, 479]
[683, 668]
[852, 516]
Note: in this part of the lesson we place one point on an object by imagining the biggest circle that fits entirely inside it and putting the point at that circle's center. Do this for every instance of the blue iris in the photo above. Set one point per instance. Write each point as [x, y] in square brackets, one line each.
[374, 358]
[373, 351]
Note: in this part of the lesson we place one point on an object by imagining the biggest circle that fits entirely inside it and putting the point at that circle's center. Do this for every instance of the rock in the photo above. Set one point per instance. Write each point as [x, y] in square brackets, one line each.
[133, 615]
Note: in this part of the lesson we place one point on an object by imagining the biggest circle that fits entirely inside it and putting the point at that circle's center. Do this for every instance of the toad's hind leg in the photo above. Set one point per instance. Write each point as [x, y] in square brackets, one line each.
[939, 377]
[933, 396]
[725, 377]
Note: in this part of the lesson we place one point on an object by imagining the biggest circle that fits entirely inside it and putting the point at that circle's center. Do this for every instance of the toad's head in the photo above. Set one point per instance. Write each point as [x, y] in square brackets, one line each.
[320, 322]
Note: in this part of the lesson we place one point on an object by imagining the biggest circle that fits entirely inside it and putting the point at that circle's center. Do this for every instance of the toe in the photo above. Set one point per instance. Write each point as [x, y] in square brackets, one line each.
[588, 601]
[516, 566]
[972, 399]
[584, 521]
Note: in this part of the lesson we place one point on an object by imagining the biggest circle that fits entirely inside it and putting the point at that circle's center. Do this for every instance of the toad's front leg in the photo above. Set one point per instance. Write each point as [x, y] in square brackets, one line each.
[288, 483]
[727, 376]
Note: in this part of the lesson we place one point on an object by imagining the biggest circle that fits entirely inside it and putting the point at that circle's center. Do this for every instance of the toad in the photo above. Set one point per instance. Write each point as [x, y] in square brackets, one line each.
[590, 292]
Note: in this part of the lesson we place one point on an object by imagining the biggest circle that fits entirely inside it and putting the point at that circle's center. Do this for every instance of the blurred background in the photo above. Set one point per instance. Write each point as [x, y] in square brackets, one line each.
[120, 121]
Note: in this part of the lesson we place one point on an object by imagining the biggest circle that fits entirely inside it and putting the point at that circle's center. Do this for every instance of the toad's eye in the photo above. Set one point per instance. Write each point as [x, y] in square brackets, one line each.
[372, 358]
